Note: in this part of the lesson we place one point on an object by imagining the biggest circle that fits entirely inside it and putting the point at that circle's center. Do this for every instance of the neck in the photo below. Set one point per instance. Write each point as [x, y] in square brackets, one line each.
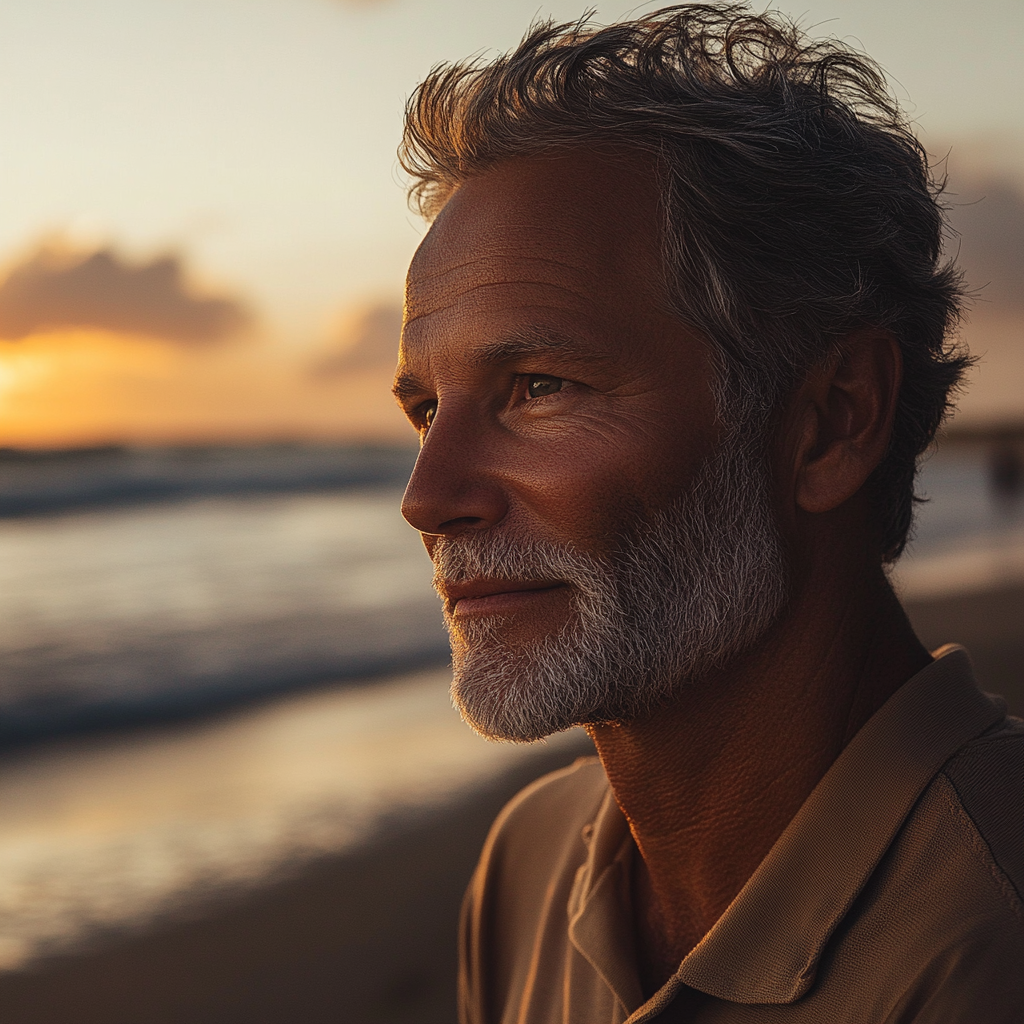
[709, 783]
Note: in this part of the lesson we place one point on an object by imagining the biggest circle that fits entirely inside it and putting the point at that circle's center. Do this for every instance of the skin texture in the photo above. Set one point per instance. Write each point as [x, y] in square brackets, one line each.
[548, 269]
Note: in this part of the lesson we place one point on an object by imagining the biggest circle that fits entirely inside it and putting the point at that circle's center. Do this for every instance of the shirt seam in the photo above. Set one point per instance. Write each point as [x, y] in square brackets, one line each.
[1004, 883]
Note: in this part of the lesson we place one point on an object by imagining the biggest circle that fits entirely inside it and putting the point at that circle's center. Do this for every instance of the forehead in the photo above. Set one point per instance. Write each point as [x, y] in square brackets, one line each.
[555, 235]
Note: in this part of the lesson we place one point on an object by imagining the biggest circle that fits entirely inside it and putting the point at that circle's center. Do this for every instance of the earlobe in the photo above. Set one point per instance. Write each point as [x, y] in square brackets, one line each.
[845, 415]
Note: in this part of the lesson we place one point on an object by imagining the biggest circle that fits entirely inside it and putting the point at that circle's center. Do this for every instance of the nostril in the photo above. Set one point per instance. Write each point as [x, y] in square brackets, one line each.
[461, 524]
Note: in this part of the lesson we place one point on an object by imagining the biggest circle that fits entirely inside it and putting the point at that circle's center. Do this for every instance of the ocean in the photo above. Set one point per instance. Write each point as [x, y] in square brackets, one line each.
[152, 584]
[217, 665]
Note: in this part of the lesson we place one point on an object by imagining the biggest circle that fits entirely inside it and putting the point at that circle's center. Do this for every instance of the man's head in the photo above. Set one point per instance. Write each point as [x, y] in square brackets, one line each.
[645, 238]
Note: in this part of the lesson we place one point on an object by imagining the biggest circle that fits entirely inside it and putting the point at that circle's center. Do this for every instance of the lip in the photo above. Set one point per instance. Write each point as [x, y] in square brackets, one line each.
[492, 596]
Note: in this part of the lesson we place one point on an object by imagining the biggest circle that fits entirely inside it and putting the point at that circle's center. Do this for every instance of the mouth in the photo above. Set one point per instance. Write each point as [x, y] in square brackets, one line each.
[496, 597]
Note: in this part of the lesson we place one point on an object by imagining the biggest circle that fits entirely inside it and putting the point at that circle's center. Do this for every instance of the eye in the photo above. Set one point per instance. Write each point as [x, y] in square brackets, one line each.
[538, 387]
[428, 413]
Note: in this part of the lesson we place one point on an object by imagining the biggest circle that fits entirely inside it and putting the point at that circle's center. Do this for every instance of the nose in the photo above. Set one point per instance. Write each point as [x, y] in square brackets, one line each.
[453, 487]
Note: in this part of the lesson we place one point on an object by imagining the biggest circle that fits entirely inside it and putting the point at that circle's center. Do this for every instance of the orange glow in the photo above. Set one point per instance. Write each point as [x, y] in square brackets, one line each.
[93, 387]
[71, 388]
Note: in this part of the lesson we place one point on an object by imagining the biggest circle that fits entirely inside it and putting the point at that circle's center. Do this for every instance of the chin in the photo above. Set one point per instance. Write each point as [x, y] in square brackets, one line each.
[525, 694]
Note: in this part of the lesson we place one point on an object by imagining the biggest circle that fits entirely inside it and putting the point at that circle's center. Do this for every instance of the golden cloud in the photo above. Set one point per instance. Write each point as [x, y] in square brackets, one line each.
[57, 288]
[368, 341]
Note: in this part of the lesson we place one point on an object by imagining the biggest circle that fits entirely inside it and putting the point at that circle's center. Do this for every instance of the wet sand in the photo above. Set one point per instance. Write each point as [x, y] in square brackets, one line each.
[369, 936]
[363, 938]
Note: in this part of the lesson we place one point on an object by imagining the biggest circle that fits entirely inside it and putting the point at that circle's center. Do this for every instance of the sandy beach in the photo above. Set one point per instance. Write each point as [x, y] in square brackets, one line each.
[369, 935]
[366, 937]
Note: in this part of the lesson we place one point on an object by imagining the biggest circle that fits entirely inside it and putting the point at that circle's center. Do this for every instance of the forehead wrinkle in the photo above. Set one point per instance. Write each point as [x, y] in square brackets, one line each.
[412, 314]
[495, 258]
[427, 292]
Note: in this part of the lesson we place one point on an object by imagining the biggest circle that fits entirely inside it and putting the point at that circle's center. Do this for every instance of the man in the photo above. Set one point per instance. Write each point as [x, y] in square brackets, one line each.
[673, 345]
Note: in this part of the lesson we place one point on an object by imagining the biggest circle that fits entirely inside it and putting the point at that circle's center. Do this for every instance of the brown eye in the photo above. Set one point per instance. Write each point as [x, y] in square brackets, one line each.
[428, 413]
[538, 387]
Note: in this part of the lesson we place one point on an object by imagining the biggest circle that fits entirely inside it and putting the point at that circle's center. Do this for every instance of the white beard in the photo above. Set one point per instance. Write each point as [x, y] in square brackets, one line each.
[687, 590]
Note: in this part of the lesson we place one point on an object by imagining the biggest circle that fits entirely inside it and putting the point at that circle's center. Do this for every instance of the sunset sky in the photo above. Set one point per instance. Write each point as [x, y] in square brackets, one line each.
[203, 231]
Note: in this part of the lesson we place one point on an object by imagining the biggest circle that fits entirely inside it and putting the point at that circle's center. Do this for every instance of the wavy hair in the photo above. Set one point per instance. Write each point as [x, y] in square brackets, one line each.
[798, 205]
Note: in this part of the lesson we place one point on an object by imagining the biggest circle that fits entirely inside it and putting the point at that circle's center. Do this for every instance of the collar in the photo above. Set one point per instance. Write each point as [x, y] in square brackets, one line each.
[600, 904]
[766, 946]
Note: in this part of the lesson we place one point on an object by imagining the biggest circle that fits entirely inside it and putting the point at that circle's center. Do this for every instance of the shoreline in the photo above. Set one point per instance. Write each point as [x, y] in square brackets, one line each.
[363, 937]
[368, 935]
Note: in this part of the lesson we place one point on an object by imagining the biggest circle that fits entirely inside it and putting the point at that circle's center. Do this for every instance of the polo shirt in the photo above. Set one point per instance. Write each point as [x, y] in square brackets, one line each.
[894, 894]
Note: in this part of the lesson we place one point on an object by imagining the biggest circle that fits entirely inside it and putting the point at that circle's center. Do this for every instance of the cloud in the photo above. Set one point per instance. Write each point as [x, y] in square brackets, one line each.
[368, 341]
[987, 214]
[56, 288]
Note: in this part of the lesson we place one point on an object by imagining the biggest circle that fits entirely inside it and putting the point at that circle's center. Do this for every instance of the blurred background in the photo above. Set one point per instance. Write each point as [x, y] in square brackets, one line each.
[231, 785]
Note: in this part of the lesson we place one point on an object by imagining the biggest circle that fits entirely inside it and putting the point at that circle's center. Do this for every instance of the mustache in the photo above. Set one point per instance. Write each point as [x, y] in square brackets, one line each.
[514, 557]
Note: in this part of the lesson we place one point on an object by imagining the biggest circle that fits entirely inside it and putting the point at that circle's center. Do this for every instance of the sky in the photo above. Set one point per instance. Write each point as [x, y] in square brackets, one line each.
[203, 229]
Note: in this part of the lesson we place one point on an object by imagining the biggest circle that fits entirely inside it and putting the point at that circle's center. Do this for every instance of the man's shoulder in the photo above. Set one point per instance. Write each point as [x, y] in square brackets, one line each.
[988, 777]
[552, 811]
[516, 905]
[942, 913]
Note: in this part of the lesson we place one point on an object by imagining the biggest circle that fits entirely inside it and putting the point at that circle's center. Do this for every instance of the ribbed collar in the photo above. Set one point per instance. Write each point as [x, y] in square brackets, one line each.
[766, 946]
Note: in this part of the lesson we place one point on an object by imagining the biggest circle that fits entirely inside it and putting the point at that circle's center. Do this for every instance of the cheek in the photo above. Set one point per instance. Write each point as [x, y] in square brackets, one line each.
[586, 487]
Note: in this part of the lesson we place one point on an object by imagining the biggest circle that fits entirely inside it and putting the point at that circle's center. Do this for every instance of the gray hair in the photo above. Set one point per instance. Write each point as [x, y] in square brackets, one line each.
[798, 205]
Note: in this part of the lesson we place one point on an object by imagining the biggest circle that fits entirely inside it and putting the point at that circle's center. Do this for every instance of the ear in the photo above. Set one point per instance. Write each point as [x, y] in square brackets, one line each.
[842, 418]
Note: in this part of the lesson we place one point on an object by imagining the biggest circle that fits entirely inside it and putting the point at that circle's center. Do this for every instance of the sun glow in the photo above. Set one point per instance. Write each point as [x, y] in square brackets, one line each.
[73, 388]
[20, 371]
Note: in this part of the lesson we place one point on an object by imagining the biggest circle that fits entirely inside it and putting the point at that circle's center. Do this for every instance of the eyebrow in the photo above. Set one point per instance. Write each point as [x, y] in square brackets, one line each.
[407, 386]
[523, 342]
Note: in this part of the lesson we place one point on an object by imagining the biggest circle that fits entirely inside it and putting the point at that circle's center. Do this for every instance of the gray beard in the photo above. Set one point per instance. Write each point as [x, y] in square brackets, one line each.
[687, 590]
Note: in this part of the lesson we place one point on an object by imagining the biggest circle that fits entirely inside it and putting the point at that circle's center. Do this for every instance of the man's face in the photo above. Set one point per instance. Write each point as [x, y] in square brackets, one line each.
[565, 419]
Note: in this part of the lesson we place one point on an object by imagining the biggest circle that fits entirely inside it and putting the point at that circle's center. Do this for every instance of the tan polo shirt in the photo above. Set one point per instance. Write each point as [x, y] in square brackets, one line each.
[894, 895]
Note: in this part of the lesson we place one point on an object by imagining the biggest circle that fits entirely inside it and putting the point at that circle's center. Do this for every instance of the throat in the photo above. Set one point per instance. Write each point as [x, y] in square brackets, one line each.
[661, 944]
